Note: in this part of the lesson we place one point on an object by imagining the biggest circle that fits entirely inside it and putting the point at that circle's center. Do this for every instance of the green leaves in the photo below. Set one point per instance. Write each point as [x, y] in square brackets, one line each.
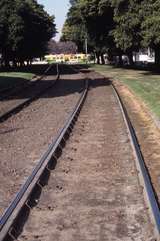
[127, 32]
[25, 29]
[120, 26]
[151, 24]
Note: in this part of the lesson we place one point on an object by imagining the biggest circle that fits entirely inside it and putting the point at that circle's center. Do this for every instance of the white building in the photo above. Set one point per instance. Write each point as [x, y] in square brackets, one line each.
[144, 56]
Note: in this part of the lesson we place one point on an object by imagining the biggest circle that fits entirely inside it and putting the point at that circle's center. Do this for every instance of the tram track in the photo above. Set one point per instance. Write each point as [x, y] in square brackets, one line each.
[24, 103]
[12, 90]
[25, 197]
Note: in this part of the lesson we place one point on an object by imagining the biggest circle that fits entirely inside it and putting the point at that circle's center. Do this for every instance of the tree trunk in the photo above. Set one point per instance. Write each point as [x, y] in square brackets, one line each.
[130, 56]
[6, 63]
[120, 60]
[98, 58]
[157, 56]
[14, 63]
[102, 59]
[5, 59]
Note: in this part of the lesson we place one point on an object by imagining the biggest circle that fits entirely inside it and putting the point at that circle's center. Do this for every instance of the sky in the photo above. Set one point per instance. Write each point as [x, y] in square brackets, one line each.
[59, 9]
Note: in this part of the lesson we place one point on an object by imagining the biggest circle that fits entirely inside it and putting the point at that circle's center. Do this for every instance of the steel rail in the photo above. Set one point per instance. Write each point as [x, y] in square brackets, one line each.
[144, 177]
[22, 197]
[25, 103]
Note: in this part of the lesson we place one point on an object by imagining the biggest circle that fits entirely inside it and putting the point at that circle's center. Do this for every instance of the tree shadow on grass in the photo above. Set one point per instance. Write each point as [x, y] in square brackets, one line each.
[66, 85]
[69, 83]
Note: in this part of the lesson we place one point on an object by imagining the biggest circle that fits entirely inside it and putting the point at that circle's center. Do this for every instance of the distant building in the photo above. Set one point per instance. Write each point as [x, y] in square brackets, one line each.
[144, 55]
[66, 58]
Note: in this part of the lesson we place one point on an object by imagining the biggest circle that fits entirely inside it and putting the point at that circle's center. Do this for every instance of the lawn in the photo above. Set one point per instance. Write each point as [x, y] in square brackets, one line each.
[144, 84]
[11, 79]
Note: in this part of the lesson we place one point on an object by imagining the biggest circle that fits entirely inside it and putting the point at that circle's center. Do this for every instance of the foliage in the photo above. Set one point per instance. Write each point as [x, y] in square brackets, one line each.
[91, 19]
[151, 26]
[128, 18]
[25, 29]
[73, 33]
[114, 27]
[67, 47]
[74, 27]
[98, 18]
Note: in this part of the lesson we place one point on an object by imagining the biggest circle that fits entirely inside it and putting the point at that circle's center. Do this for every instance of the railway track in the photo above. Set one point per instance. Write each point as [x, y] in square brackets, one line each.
[24, 103]
[10, 91]
[144, 177]
[46, 163]
[26, 197]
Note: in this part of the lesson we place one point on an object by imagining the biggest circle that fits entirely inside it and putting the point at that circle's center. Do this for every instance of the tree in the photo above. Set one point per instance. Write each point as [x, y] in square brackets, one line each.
[98, 19]
[72, 2]
[73, 33]
[6, 7]
[74, 28]
[27, 29]
[91, 19]
[151, 27]
[127, 32]
[67, 47]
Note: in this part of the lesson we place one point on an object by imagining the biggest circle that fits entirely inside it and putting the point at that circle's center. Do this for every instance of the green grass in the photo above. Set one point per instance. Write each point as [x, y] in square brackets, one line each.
[11, 79]
[144, 84]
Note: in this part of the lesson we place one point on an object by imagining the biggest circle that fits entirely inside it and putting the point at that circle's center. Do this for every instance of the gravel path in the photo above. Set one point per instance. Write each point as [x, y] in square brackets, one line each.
[94, 193]
[25, 136]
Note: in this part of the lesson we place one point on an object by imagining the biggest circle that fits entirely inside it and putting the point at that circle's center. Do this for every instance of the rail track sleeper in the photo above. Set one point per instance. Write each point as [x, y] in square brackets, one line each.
[47, 168]
[74, 121]
[76, 117]
[60, 146]
[63, 139]
[11, 235]
[54, 156]
[71, 126]
[39, 184]
[52, 163]
[68, 131]
[27, 205]
[77, 114]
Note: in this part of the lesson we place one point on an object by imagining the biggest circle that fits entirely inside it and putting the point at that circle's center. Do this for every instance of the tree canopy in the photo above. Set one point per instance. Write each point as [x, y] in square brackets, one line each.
[66, 47]
[25, 29]
[150, 26]
[127, 17]
[115, 26]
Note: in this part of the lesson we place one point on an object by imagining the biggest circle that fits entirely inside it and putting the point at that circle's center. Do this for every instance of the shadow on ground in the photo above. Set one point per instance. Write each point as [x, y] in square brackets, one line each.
[69, 83]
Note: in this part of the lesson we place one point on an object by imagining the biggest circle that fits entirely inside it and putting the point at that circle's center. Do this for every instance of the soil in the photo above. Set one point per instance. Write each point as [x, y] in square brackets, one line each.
[94, 192]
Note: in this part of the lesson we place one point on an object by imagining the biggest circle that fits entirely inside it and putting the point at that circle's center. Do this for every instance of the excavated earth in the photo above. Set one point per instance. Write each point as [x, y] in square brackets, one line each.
[94, 192]
[25, 136]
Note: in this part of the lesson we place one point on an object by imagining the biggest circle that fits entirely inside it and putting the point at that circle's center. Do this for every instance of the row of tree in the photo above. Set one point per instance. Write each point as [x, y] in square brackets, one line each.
[66, 47]
[115, 27]
[25, 29]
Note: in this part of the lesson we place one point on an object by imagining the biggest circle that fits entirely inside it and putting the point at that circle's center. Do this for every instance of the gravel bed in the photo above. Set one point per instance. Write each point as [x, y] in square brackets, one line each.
[23, 93]
[25, 136]
[94, 191]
